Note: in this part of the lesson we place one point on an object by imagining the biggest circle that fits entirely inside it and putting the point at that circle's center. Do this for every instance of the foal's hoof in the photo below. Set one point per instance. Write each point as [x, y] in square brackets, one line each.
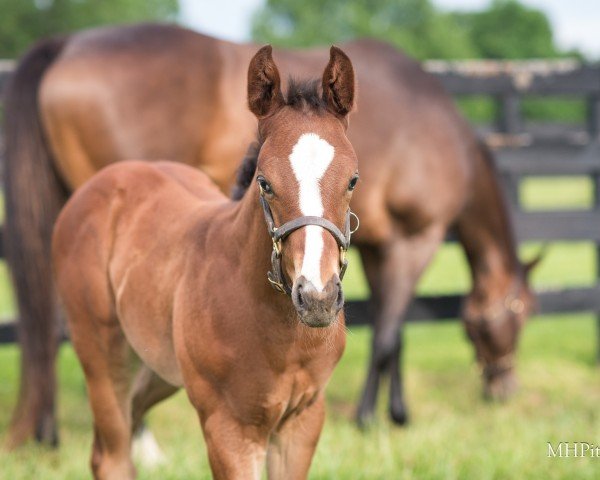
[399, 415]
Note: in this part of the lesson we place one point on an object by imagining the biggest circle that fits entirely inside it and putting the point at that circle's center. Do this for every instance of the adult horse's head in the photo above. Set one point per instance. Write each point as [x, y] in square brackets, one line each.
[306, 171]
[493, 323]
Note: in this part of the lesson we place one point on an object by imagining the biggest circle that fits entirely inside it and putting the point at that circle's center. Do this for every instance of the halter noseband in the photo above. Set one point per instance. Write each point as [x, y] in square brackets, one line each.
[276, 276]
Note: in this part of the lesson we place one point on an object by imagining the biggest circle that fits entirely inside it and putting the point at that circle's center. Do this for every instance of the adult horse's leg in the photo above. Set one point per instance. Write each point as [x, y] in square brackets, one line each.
[371, 261]
[33, 197]
[291, 449]
[393, 271]
[148, 390]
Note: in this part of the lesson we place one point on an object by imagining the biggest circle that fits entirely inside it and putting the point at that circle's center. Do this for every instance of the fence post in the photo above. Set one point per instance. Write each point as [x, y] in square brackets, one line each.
[512, 184]
[593, 117]
[593, 128]
[509, 118]
[597, 208]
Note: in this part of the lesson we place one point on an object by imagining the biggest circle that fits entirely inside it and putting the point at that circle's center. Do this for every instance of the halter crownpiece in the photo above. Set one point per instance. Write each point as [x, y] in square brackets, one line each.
[276, 276]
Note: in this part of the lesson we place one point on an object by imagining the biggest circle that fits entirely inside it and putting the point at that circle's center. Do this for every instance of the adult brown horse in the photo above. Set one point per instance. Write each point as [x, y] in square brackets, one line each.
[158, 272]
[76, 104]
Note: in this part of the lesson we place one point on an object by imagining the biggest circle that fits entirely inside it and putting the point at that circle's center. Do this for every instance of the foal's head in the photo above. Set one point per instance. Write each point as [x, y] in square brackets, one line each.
[306, 167]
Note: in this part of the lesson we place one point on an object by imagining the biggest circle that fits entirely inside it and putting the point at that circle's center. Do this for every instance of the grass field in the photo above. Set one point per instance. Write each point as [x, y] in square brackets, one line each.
[453, 434]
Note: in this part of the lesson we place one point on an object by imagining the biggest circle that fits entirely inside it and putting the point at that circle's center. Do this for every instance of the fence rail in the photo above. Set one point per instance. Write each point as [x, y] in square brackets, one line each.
[520, 153]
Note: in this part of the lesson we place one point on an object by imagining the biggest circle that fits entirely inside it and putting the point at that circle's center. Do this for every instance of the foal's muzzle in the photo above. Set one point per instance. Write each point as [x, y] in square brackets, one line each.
[317, 308]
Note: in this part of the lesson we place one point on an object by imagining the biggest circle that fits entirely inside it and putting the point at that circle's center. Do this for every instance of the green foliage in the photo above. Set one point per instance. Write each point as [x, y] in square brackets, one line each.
[483, 109]
[22, 22]
[505, 30]
[413, 25]
[477, 108]
[509, 30]
[554, 110]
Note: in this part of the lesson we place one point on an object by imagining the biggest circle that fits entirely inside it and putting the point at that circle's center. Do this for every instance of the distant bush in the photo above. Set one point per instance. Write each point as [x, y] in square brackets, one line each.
[22, 22]
[507, 29]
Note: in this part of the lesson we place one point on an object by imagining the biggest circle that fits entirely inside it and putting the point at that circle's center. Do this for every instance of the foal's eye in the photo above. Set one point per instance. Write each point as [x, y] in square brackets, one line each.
[264, 185]
[352, 183]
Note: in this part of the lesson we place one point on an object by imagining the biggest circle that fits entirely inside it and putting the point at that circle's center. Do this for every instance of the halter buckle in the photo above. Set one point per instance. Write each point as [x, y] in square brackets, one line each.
[342, 255]
[275, 284]
[276, 246]
[515, 305]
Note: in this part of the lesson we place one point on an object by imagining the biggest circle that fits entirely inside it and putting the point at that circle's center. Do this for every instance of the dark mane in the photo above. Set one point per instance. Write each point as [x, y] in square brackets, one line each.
[300, 95]
[246, 170]
[304, 94]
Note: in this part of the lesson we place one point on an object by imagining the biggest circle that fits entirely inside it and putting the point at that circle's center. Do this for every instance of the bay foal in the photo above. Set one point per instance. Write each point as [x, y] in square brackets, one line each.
[163, 280]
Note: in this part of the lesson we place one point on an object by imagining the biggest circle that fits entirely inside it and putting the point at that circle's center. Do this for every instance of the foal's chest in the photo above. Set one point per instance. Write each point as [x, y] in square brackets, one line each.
[293, 393]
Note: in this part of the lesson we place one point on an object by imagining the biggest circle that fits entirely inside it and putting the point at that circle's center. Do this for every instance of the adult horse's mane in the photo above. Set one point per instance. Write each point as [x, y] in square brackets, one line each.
[301, 95]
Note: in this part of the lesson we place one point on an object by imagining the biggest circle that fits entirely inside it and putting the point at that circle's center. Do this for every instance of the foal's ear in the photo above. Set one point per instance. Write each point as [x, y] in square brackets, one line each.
[264, 85]
[338, 82]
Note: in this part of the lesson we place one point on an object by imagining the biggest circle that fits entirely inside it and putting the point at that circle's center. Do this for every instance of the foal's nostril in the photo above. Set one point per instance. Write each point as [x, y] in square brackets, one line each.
[299, 299]
[339, 301]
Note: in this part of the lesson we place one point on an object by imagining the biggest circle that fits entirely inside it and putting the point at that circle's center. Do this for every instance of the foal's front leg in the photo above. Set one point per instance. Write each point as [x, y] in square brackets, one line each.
[291, 449]
[235, 450]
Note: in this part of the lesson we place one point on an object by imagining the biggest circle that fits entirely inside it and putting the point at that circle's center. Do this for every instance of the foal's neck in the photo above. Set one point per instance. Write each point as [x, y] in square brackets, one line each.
[252, 246]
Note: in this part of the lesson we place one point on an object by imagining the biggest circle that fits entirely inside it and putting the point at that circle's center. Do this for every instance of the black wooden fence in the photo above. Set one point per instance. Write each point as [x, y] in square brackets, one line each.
[521, 152]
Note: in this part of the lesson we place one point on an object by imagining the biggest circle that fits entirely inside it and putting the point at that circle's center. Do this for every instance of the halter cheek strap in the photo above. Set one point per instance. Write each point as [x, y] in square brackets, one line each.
[276, 276]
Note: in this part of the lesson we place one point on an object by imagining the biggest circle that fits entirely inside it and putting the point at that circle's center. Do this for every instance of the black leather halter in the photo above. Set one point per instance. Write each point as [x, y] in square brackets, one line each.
[276, 276]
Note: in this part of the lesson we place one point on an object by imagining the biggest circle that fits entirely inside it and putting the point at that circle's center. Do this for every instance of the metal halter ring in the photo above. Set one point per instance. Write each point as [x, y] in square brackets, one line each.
[354, 215]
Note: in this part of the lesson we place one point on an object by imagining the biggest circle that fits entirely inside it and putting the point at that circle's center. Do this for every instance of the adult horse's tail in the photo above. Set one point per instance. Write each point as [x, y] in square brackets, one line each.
[33, 197]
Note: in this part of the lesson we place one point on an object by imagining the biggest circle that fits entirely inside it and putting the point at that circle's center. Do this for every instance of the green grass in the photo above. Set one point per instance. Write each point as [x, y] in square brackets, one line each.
[453, 434]
[556, 193]
[7, 301]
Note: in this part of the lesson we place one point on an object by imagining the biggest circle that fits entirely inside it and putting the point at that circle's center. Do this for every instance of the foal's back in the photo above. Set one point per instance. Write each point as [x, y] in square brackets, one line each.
[121, 194]
[110, 238]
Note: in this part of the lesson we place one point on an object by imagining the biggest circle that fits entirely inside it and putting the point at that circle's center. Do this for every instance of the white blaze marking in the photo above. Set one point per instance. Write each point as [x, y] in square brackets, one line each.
[310, 158]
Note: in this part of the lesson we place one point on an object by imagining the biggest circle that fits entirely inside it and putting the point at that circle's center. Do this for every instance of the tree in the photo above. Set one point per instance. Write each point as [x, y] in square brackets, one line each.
[22, 22]
[509, 30]
[505, 30]
[413, 25]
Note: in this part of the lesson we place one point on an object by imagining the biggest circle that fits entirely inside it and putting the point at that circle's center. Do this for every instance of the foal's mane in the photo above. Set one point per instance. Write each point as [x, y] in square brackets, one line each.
[302, 95]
